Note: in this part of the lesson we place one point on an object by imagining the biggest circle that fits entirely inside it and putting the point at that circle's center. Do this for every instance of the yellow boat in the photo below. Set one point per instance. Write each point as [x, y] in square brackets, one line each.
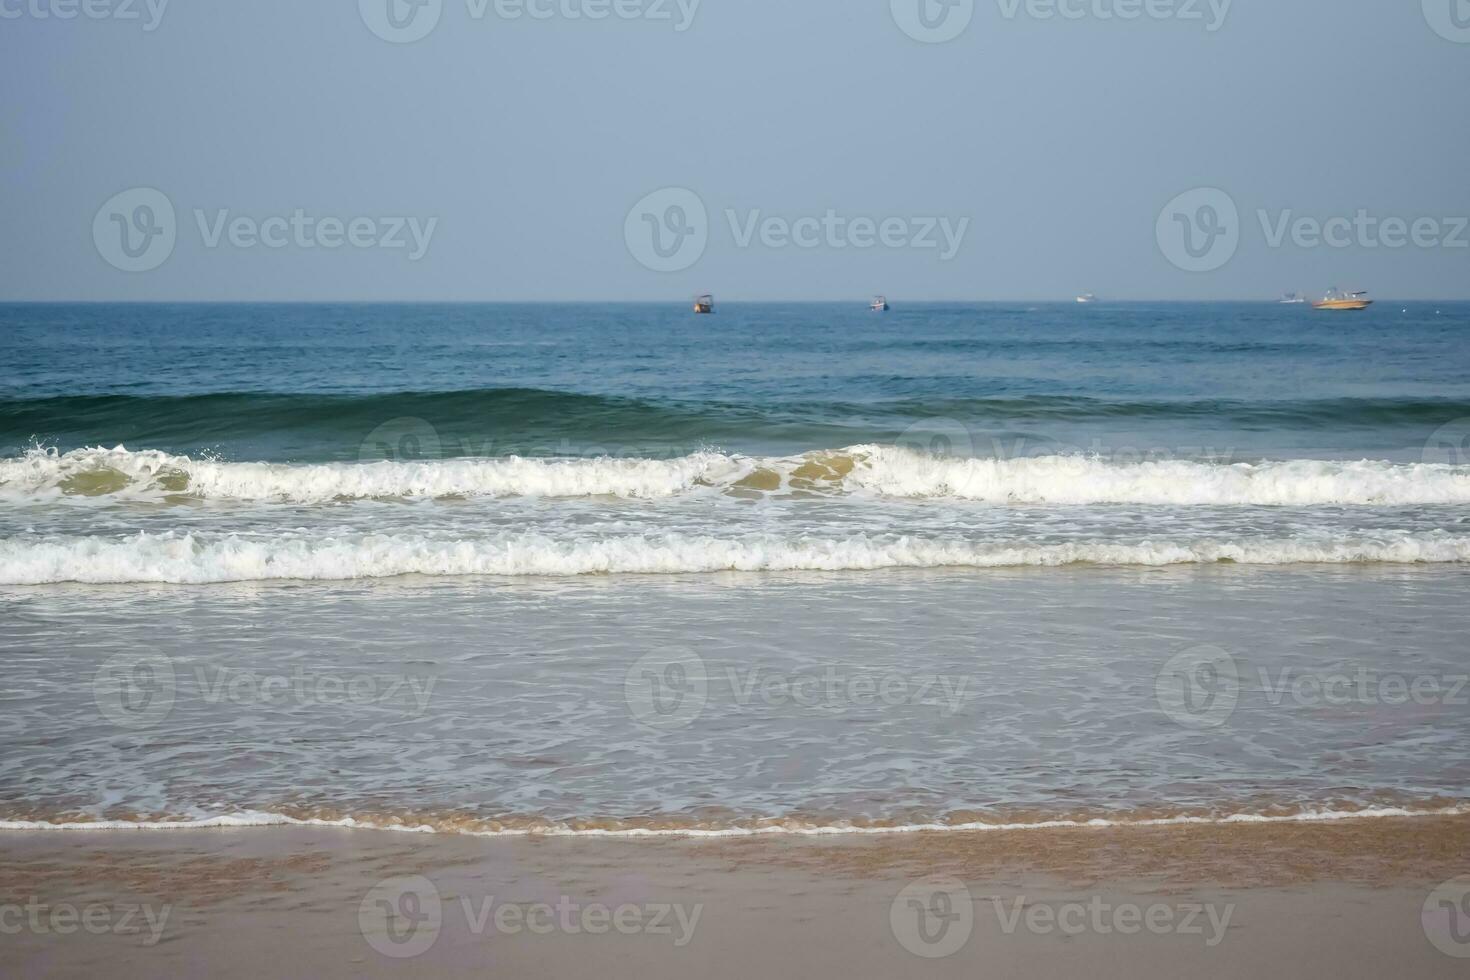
[1337, 300]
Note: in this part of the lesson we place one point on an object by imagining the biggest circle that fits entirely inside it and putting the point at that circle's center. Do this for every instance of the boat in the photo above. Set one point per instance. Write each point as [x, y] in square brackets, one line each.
[1087, 298]
[1336, 299]
[879, 304]
[1291, 299]
[704, 303]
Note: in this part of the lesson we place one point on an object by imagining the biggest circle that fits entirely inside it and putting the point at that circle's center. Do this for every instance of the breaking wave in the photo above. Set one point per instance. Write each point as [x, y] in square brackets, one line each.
[98, 472]
[184, 558]
[880, 470]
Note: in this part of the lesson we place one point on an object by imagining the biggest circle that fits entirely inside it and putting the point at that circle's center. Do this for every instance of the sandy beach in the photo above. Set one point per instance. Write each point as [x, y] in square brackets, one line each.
[686, 491]
[1351, 898]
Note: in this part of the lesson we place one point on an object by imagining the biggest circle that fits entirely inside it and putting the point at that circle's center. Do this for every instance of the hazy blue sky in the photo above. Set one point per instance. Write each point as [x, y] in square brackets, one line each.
[1059, 139]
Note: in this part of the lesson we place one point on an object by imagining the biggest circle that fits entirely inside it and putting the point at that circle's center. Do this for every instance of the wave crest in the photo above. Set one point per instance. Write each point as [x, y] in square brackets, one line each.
[883, 470]
[1077, 480]
[178, 558]
[96, 472]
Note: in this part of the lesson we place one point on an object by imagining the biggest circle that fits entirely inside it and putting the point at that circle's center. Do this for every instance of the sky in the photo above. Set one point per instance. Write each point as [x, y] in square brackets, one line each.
[384, 150]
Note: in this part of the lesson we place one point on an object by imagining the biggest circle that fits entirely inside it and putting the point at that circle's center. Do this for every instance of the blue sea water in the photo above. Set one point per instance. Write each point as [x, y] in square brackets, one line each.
[309, 382]
[621, 566]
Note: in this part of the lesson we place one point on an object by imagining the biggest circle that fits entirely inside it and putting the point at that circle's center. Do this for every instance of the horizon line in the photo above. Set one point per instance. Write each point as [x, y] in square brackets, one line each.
[661, 301]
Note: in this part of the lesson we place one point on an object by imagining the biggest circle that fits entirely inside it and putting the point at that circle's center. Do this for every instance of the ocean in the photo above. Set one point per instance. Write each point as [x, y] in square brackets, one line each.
[791, 568]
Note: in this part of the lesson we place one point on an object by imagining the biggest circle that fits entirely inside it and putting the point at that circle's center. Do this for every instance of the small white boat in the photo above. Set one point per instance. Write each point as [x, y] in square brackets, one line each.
[879, 304]
[704, 303]
[1292, 299]
[1087, 298]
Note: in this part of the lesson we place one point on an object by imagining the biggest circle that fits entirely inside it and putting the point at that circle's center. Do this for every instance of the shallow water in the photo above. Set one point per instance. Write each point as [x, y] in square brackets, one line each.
[716, 701]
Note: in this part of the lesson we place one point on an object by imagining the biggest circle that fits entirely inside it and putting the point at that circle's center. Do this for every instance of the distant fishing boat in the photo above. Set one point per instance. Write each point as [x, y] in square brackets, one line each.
[1087, 298]
[1336, 299]
[879, 304]
[704, 304]
[1292, 299]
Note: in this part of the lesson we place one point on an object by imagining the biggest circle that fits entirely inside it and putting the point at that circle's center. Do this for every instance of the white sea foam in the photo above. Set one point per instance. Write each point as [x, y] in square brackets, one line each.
[184, 558]
[886, 471]
[150, 473]
[797, 828]
[1068, 480]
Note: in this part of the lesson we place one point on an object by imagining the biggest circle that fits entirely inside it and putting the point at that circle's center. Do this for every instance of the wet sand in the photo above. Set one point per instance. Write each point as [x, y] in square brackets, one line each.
[1346, 899]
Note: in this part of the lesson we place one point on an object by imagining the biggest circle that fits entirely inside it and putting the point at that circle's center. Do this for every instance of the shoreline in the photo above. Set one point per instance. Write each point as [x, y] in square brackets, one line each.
[1388, 849]
[754, 828]
[1355, 898]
